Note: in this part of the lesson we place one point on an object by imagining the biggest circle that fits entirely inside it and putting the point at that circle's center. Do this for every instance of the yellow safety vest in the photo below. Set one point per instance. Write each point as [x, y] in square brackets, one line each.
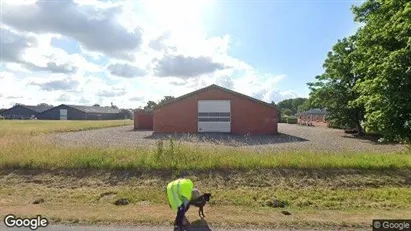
[178, 189]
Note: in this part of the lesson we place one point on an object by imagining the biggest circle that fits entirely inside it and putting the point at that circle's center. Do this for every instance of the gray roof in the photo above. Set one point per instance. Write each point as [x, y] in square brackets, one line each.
[37, 109]
[92, 109]
[315, 111]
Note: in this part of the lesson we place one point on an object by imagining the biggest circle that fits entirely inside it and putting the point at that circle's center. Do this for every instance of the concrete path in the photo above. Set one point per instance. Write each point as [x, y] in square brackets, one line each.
[117, 228]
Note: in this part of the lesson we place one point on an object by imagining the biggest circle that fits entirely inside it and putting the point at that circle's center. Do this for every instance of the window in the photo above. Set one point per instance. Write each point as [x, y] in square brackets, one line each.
[214, 114]
[213, 119]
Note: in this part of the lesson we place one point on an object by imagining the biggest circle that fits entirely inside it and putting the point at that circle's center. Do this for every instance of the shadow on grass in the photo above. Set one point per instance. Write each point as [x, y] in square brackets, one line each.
[227, 139]
[199, 225]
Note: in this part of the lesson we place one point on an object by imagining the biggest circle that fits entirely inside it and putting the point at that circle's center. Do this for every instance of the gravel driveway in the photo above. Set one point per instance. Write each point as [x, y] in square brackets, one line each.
[292, 137]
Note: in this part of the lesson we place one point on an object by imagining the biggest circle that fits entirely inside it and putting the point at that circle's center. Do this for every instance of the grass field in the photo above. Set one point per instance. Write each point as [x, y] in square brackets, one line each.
[34, 127]
[16, 153]
[79, 184]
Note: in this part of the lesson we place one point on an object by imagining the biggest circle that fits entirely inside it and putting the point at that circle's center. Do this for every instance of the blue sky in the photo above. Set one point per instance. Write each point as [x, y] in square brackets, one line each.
[129, 52]
[290, 37]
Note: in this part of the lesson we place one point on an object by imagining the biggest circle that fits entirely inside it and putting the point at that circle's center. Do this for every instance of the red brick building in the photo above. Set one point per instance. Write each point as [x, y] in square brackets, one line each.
[313, 117]
[216, 109]
[143, 120]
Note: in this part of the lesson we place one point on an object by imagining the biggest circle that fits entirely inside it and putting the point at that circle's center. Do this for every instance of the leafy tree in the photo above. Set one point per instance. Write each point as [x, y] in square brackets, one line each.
[166, 99]
[292, 104]
[296, 103]
[308, 104]
[384, 56]
[150, 105]
[287, 112]
[113, 106]
[125, 114]
[334, 88]
[96, 105]
[44, 105]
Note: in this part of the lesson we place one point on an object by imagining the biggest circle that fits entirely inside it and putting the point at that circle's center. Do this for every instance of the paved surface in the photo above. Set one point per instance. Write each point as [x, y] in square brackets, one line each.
[291, 138]
[107, 228]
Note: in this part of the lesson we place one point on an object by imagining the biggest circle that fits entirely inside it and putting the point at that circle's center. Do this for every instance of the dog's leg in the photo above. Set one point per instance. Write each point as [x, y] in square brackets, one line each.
[202, 212]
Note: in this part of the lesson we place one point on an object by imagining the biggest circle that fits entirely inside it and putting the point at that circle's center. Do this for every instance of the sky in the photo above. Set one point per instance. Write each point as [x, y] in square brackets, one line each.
[128, 52]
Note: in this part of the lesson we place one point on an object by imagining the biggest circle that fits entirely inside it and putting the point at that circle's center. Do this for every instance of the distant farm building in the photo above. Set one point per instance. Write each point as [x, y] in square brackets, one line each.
[24, 112]
[313, 117]
[214, 109]
[78, 112]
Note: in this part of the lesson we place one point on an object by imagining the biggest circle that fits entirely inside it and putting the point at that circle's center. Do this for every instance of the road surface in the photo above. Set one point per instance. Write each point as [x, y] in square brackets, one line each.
[116, 228]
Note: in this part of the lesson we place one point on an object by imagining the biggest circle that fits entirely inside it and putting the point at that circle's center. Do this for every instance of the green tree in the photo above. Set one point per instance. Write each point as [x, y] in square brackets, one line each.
[150, 105]
[44, 105]
[125, 114]
[292, 104]
[334, 88]
[384, 55]
[113, 106]
[287, 112]
[166, 99]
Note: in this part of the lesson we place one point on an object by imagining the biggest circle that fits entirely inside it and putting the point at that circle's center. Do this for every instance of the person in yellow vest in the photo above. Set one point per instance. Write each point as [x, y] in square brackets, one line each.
[179, 194]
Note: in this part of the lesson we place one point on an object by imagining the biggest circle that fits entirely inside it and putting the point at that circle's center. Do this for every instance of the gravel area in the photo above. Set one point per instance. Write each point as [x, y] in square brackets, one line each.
[292, 137]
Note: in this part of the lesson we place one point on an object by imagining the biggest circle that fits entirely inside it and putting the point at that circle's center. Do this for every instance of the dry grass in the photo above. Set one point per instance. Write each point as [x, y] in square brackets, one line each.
[17, 153]
[324, 202]
[35, 127]
[80, 183]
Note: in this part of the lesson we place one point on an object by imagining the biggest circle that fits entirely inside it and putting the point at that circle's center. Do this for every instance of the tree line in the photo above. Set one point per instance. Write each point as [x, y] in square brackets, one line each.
[366, 82]
[151, 105]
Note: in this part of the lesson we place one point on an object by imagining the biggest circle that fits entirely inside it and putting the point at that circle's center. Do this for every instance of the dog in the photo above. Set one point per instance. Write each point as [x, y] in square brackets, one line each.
[200, 202]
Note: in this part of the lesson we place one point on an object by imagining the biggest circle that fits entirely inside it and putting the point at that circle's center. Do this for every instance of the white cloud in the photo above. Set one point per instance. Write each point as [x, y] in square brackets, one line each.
[94, 26]
[125, 70]
[130, 52]
[185, 66]
[65, 84]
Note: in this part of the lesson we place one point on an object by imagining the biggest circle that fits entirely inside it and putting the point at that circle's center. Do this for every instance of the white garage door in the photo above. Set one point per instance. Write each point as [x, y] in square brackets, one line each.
[214, 116]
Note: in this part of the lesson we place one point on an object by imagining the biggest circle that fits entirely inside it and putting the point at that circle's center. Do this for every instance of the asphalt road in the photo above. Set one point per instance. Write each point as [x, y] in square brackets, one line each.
[115, 228]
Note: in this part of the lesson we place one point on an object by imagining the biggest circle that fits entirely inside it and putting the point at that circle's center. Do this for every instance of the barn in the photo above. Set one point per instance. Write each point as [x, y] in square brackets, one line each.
[78, 112]
[24, 111]
[218, 110]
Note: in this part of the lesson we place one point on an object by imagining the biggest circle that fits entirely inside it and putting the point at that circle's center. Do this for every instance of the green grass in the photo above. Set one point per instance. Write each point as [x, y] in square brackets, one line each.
[17, 153]
[22, 148]
[296, 198]
[35, 127]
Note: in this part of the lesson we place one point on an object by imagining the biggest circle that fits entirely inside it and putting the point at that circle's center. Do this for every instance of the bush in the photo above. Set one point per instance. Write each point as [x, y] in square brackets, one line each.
[283, 119]
[1, 117]
[292, 120]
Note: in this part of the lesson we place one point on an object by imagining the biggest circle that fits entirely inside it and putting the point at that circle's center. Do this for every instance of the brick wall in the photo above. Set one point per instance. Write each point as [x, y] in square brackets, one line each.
[314, 120]
[143, 120]
[246, 116]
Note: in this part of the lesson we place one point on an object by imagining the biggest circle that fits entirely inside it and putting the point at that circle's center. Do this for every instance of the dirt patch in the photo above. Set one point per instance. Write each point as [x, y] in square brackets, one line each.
[107, 195]
[233, 216]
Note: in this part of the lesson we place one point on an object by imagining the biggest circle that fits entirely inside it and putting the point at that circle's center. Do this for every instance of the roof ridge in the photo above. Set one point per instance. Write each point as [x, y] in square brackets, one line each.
[220, 88]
